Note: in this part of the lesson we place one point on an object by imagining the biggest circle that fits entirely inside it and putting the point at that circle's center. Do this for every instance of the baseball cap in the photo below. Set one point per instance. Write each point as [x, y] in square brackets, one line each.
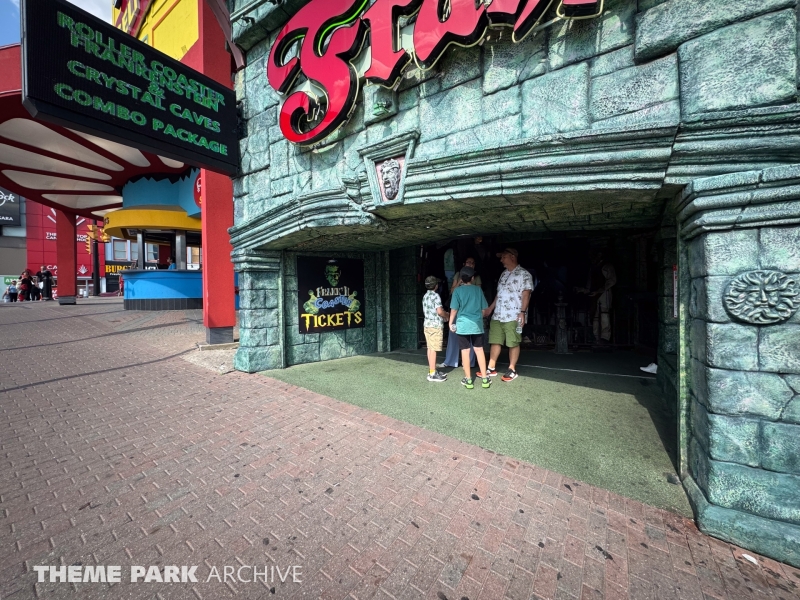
[512, 251]
[468, 271]
[431, 281]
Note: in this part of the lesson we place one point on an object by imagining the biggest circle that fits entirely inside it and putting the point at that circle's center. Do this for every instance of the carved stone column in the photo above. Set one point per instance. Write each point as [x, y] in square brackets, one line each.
[261, 343]
[740, 357]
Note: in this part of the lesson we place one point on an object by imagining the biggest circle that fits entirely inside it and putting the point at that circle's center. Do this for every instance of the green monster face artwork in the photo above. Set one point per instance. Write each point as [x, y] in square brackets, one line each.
[332, 274]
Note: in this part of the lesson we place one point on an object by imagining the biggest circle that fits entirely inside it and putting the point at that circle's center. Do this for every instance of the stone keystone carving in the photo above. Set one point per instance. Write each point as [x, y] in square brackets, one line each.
[762, 297]
[390, 176]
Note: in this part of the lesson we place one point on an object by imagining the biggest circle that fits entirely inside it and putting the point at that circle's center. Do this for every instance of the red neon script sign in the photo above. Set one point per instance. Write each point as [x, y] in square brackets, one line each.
[325, 36]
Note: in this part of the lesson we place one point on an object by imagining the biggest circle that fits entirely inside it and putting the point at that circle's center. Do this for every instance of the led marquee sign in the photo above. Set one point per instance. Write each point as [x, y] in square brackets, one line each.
[324, 37]
[80, 72]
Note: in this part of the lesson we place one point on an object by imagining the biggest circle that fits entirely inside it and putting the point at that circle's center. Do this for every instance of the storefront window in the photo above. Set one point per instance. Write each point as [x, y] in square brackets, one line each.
[120, 250]
[152, 252]
[194, 258]
[134, 252]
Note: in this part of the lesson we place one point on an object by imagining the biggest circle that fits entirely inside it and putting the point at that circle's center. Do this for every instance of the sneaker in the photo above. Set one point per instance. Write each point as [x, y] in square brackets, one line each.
[486, 382]
[489, 373]
[510, 375]
[437, 377]
[442, 374]
[651, 368]
[443, 365]
[467, 383]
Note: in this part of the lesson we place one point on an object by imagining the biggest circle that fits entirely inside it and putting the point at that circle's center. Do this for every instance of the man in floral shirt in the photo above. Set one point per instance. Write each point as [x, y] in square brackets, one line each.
[510, 307]
[435, 317]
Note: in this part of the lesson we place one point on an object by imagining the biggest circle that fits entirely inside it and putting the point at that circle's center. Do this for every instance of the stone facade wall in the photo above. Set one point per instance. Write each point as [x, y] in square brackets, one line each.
[641, 64]
[668, 336]
[404, 298]
[314, 347]
[742, 359]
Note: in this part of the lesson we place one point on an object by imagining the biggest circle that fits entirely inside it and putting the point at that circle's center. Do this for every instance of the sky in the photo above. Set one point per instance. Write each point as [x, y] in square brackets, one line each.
[9, 16]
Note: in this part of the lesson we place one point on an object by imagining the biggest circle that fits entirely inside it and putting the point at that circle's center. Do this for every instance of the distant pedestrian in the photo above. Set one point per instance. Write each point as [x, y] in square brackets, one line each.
[24, 286]
[36, 292]
[45, 277]
[11, 291]
[466, 319]
[171, 264]
[434, 319]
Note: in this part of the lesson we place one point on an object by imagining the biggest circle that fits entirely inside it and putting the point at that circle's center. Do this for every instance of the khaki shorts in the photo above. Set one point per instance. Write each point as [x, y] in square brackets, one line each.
[504, 334]
[434, 338]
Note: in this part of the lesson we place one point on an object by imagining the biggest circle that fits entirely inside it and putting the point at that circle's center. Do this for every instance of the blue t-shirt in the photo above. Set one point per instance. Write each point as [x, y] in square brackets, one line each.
[469, 301]
[171, 267]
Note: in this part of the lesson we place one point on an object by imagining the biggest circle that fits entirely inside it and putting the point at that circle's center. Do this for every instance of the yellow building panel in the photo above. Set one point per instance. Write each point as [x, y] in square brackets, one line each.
[176, 29]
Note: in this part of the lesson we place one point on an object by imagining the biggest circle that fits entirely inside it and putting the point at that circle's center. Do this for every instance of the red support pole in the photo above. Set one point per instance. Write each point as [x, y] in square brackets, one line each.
[67, 257]
[219, 314]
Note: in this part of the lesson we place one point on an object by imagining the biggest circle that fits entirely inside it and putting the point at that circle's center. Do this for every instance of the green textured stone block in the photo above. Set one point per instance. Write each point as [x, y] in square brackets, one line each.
[354, 335]
[634, 89]
[665, 114]
[698, 418]
[780, 249]
[779, 348]
[556, 102]
[294, 337]
[734, 439]
[264, 280]
[726, 346]
[271, 298]
[332, 345]
[763, 493]
[252, 298]
[505, 63]
[501, 104]
[258, 318]
[407, 340]
[305, 353]
[698, 463]
[668, 339]
[612, 61]
[706, 301]
[252, 360]
[669, 24]
[453, 110]
[765, 72]
[746, 393]
[728, 253]
[460, 65]
[253, 337]
[574, 41]
[781, 443]
[775, 539]
[791, 414]
[273, 336]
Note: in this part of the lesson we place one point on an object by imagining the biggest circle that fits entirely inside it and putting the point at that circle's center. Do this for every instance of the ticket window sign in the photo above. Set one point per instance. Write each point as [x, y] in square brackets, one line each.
[83, 73]
[330, 293]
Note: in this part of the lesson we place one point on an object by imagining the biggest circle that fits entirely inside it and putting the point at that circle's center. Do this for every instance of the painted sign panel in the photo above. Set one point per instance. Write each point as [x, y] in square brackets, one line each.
[9, 209]
[82, 73]
[330, 293]
[323, 39]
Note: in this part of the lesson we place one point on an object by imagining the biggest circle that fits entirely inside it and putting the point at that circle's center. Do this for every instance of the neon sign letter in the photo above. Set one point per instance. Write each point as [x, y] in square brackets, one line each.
[322, 39]
[387, 63]
[330, 35]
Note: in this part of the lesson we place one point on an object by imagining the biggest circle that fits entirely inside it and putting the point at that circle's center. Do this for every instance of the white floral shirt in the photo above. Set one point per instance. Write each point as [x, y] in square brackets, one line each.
[509, 294]
[430, 302]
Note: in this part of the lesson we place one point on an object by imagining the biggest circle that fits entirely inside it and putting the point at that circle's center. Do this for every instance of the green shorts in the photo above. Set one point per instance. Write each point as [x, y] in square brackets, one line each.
[504, 334]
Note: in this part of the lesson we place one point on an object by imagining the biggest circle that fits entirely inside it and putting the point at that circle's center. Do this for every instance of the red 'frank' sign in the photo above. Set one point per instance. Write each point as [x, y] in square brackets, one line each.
[325, 36]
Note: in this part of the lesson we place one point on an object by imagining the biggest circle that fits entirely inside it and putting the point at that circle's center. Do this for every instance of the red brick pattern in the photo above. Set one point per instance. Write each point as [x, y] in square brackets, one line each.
[115, 451]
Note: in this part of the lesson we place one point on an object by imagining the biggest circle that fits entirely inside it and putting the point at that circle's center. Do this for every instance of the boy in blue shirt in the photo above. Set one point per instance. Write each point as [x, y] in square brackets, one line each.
[466, 320]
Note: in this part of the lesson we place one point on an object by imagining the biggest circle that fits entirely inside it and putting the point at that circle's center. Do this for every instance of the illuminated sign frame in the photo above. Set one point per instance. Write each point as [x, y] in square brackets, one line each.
[82, 73]
[323, 39]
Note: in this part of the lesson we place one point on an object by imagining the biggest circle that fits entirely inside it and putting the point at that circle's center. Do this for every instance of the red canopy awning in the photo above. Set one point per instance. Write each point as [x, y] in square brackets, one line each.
[59, 167]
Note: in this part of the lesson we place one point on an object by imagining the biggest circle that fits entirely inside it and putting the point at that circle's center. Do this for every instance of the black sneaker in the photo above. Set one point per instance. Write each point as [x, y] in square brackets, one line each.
[489, 373]
[467, 383]
[437, 377]
[486, 382]
[510, 375]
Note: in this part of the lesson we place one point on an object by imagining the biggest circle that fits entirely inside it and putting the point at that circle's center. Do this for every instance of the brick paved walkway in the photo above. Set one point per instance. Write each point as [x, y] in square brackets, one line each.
[116, 451]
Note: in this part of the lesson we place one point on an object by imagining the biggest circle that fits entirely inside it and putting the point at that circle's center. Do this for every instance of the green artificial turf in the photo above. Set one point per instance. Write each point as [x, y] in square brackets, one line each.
[606, 430]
